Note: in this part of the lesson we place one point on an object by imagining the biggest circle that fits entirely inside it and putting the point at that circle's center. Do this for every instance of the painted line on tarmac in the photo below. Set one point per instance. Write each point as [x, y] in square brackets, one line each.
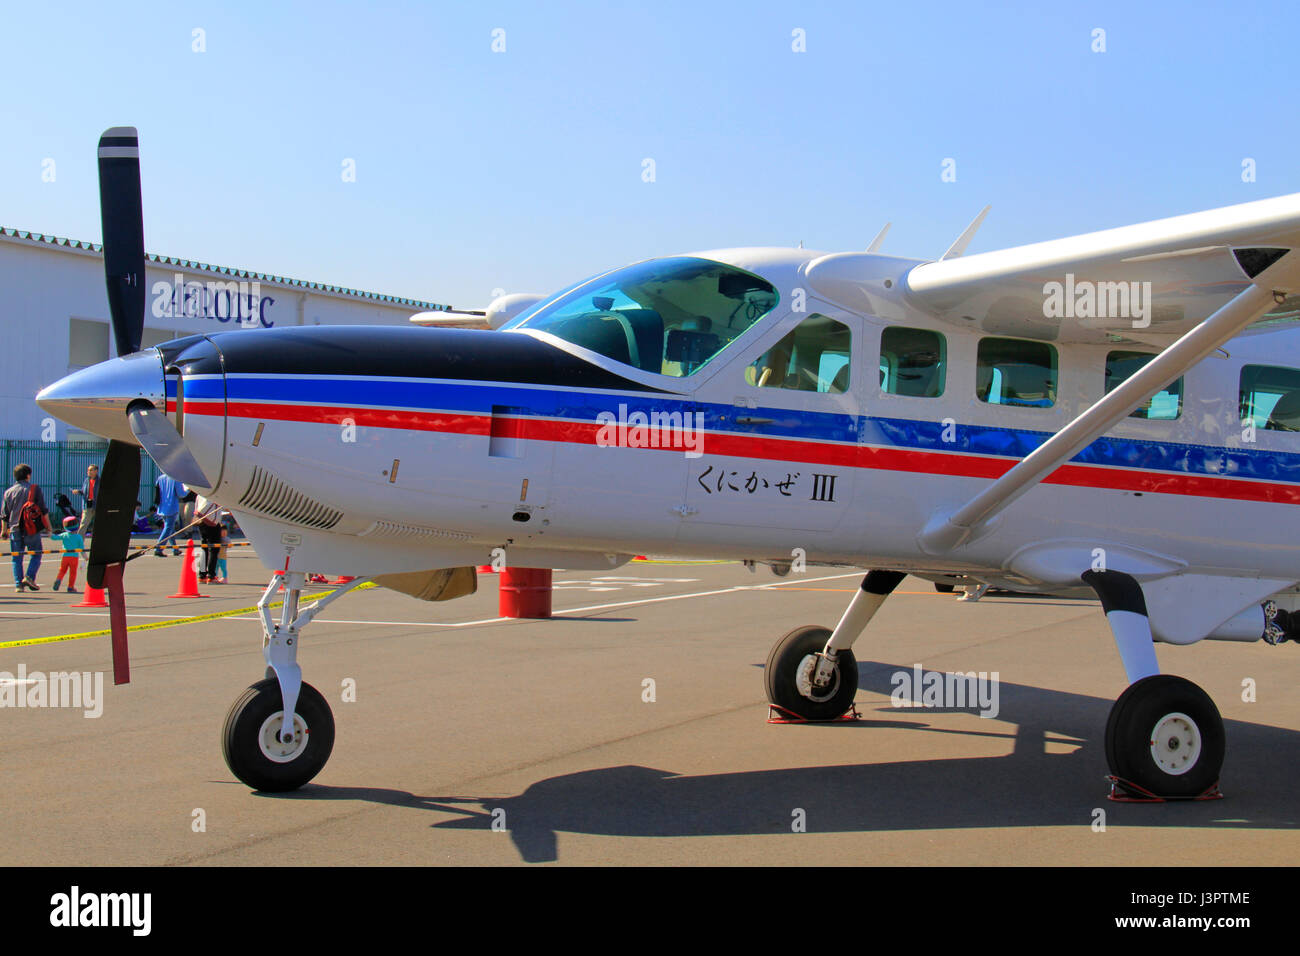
[560, 614]
[72, 614]
[173, 622]
[154, 625]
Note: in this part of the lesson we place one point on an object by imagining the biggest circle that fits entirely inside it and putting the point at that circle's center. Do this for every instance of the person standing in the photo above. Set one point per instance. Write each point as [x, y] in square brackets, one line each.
[221, 556]
[22, 516]
[210, 534]
[89, 487]
[168, 493]
[73, 544]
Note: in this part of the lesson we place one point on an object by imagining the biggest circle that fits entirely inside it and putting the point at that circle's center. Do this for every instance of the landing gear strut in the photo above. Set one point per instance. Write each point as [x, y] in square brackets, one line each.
[1164, 734]
[280, 732]
[811, 672]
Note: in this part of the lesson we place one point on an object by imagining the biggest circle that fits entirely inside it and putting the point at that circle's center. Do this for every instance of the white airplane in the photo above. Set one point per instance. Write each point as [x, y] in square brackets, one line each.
[1113, 413]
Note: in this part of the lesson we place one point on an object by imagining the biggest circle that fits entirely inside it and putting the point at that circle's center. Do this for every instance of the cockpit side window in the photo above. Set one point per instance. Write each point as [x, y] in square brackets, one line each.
[1015, 372]
[1165, 404]
[814, 357]
[667, 316]
[912, 362]
[1270, 397]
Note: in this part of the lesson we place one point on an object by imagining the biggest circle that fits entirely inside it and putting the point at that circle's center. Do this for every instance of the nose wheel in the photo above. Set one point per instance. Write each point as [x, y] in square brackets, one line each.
[791, 676]
[1165, 735]
[256, 748]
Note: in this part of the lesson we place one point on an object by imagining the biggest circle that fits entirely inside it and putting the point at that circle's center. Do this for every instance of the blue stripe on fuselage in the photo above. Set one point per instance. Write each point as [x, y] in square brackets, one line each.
[997, 441]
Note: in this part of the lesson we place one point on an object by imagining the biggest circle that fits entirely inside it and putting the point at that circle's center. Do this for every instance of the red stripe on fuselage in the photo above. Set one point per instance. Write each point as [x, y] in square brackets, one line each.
[771, 449]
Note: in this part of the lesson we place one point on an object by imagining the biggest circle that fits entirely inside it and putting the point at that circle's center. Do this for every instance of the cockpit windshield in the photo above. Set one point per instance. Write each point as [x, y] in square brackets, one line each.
[667, 316]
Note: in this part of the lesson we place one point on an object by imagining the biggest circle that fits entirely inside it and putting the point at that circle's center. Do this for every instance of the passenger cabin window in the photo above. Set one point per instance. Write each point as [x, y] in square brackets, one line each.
[913, 362]
[1015, 372]
[814, 357]
[1164, 405]
[1270, 397]
[667, 316]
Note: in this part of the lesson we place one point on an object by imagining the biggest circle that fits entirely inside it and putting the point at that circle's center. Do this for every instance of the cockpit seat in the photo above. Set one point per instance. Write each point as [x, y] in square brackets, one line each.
[1285, 416]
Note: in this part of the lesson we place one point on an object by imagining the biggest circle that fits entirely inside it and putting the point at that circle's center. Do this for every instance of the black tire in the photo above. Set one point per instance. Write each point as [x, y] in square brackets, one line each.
[945, 588]
[242, 748]
[780, 568]
[781, 673]
[1131, 730]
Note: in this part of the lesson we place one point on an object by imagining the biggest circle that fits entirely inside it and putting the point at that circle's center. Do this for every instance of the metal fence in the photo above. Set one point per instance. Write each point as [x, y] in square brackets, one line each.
[60, 466]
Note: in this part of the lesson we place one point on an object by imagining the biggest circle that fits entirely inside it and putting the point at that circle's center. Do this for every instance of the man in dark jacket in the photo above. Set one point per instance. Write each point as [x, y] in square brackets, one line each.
[87, 493]
[19, 494]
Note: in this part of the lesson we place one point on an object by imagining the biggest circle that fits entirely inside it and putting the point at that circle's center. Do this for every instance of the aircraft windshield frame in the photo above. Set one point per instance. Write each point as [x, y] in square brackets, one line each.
[672, 316]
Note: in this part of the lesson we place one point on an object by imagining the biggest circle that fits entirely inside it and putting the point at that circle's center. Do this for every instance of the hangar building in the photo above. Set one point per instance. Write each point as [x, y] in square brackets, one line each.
[54, 315]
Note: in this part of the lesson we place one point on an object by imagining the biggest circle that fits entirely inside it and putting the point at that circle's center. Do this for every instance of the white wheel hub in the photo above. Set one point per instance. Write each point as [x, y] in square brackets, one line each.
[277, 750]
[803, 681]
[1175, 744]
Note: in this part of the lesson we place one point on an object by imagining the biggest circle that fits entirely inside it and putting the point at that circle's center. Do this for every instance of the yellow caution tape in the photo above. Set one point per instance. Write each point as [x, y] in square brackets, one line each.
[170, 623]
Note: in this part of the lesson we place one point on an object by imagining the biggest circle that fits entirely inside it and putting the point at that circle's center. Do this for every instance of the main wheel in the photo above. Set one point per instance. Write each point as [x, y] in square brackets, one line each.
[789, 671]
[250, 740]
[1165, 735]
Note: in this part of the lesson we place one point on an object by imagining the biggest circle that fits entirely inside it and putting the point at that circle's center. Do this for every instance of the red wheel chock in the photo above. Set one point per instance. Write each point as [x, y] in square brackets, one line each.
[1126, 791]
[777, 714]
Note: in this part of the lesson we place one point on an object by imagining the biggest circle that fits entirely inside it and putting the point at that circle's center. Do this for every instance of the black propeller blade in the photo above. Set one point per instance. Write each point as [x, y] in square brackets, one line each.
[119, 486]
[122, 219]
[119, 483]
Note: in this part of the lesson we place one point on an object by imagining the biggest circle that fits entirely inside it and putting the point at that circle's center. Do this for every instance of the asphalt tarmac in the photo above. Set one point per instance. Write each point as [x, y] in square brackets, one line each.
[629, 729]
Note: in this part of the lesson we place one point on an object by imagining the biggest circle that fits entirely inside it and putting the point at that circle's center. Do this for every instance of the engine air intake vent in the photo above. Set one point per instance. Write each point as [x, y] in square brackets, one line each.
[270, 496]
[393, 529]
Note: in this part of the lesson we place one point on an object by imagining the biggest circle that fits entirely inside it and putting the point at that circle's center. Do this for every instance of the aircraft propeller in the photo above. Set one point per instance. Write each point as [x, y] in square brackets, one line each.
[122, 219]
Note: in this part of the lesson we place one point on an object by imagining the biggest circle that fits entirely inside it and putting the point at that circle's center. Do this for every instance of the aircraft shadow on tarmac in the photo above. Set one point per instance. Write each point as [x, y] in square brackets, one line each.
[1027, 788]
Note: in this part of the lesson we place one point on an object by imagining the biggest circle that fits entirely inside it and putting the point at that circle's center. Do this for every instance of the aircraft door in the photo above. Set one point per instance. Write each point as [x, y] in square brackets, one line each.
[789, 433]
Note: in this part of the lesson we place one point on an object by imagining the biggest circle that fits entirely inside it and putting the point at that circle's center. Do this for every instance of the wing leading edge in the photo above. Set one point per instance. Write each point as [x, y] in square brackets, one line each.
[1150, 282]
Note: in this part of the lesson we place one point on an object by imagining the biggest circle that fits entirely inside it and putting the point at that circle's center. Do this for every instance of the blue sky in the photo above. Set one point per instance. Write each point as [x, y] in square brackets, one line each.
[523, 170]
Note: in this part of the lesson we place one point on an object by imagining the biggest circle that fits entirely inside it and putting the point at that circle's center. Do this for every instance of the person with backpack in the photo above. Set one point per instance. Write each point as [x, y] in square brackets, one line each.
[23, 515]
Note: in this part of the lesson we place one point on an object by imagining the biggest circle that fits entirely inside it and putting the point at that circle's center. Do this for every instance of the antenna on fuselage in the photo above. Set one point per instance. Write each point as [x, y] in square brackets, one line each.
[877, 242]
[958, 247]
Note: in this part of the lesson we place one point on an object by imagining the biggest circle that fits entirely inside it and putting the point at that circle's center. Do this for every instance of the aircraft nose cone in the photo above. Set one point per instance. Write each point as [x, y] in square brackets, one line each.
[96, 398]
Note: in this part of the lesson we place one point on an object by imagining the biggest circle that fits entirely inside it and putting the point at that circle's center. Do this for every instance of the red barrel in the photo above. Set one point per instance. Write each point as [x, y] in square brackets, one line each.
[526, 592]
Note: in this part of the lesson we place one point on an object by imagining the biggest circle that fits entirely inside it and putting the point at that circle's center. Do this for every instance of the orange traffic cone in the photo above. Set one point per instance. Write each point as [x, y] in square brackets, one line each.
[189, 586]
[94, 597]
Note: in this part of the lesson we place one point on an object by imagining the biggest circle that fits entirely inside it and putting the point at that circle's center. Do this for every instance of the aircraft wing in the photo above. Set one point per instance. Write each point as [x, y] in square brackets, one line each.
[1082, 289]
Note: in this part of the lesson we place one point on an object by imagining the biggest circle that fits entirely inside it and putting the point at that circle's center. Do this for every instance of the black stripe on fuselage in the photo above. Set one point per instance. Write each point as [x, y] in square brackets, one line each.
[398, 352]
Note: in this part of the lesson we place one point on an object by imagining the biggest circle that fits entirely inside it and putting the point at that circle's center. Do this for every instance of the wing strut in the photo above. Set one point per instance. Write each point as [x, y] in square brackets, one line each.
[948, 531]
